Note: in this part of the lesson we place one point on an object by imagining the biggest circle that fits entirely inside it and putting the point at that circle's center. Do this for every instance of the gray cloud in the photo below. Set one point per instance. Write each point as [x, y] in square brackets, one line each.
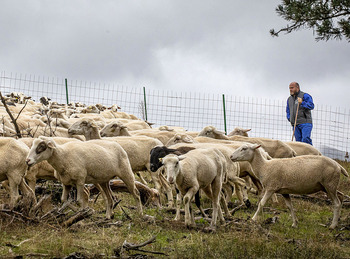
[213, 46]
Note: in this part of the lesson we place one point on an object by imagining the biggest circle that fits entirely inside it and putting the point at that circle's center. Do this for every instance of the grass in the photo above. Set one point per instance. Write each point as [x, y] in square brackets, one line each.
[239, 238]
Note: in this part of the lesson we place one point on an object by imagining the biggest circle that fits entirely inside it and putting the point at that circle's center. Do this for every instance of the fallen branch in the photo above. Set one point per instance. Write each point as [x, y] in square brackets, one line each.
[136, 247]
[80, 215]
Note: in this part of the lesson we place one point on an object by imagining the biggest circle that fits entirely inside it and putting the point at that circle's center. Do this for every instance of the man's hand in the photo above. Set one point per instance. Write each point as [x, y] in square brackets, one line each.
[300, 100]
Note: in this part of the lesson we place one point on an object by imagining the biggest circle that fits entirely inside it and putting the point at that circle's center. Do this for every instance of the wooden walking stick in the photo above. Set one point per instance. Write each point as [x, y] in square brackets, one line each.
[295, 121]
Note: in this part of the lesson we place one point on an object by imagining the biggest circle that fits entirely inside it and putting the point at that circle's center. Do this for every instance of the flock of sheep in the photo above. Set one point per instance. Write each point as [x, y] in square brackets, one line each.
[79, 145]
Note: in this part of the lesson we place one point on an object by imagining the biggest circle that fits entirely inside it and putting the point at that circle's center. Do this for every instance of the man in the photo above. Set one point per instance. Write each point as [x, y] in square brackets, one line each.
[304, 120]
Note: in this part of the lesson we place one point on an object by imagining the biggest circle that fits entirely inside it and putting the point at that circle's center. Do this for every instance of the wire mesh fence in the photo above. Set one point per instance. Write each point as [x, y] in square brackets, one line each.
[193, 111]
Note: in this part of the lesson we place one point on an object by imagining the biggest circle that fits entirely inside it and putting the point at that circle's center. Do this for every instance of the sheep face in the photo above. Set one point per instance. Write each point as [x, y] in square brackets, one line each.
[211, 132]
[239, 132]
[180, 138]
[112, 129]
[244, 153]
[41, 150]
[79, 127]
[172, 167]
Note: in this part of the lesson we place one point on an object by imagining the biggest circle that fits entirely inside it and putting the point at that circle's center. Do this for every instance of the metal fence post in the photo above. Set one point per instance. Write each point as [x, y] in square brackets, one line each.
[144, 98]
[67, 90]
[224, 107]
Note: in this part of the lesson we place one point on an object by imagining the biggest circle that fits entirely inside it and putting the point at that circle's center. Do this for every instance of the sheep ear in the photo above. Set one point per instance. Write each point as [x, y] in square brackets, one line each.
[218, 132]
[51, 144]
[246, 130]
[181, 157]
[256, 146]
[188, 140]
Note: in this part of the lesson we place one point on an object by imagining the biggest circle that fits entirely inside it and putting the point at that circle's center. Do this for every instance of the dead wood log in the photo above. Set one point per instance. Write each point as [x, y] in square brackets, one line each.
[80, 215]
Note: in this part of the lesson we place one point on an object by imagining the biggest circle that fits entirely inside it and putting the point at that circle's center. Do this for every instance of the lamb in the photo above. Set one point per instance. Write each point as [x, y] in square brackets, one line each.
[297, 175]
[94, 161]
[13, 167]
[198, 169]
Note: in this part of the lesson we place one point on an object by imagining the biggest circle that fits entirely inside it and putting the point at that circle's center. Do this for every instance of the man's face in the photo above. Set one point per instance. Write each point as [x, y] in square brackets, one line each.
[293, 89]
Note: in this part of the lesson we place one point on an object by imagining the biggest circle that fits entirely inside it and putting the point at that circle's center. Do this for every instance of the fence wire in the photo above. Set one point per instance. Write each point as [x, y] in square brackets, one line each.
[193, 111]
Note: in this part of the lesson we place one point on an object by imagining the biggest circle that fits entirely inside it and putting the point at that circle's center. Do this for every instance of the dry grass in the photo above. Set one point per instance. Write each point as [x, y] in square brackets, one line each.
[239, 238]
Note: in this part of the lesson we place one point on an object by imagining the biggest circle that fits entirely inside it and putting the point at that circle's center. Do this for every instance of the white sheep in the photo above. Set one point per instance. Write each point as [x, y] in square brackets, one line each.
[138, 149]
[299, 147]
[198, 169]
[119, 129]
[297, 175]
[131, 125]
[78, 163]
[275, 148]
[42, 170]
[13, 167]
[180, 138]
[302, 148]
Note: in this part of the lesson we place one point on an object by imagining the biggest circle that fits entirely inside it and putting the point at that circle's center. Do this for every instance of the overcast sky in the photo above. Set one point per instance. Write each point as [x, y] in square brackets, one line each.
[199, 46]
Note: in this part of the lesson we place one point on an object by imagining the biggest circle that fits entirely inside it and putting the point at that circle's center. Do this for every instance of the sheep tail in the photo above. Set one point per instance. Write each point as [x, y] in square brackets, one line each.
[343, 171]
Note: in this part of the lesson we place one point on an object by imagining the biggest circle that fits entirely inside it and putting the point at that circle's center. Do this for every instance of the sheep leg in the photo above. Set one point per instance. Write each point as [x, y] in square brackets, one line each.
[106, 189]
[187, 201]
[129, 181]
[168, 190]
[228, 191]
[336, 207]
[197, 200]
[81, 197]
[239, 194]
[14, 194]
[24, 187]
[216, 187]
[224, 205]
[178, 205]
[262, 202]
[138, 173]
[65, 192]
[290, 207]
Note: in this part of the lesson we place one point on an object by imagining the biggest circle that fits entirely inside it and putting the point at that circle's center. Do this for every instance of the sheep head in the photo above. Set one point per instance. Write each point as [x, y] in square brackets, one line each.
[41, 150]
[212, 132]
[172, 166]
[81, 127]
[112, 129]
[244, 152]
[240, 132]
